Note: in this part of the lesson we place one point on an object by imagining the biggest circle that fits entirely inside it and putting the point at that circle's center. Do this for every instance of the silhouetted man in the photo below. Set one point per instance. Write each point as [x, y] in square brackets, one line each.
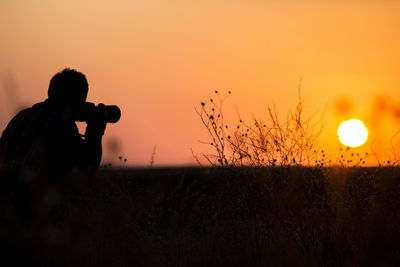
[41, 144]
[39, 147]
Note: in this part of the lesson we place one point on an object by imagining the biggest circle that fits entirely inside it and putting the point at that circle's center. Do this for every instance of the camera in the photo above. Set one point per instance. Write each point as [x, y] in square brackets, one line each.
[113, 112]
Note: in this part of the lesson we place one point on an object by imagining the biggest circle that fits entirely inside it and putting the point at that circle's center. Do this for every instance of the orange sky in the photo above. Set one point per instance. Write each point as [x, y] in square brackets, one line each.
[158, 59]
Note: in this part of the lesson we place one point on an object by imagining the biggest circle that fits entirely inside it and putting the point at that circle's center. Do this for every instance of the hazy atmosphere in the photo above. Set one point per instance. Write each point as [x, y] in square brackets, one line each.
[158, 60]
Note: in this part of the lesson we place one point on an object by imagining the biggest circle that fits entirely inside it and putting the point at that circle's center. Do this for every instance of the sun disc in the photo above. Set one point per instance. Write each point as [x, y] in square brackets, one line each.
[352, 133]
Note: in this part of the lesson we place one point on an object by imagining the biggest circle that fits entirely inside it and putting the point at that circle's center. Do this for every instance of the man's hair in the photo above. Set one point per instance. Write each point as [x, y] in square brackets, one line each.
[68, 84]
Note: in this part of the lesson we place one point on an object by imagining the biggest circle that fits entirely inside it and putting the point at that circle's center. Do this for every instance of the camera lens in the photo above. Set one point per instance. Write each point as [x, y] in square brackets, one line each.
[113, 114]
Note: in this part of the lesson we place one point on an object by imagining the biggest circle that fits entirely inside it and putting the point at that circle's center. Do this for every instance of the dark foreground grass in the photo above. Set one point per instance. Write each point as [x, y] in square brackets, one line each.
[216, 217]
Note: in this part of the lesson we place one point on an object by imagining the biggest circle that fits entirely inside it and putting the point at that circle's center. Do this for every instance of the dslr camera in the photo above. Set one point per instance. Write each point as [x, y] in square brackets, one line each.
[113, 112]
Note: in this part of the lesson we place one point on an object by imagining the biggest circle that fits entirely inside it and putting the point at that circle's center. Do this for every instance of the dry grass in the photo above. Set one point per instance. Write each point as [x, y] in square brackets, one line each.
[273, 142]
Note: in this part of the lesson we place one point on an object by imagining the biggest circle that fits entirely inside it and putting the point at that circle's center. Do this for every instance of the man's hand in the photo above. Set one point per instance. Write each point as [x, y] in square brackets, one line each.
[97, 120]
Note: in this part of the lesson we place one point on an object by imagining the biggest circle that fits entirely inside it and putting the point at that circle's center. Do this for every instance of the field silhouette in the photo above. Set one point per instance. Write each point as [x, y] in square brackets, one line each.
[282, 216]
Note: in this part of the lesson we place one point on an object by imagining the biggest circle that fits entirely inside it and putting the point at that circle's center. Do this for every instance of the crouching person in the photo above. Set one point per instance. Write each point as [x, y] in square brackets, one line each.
[38, 148]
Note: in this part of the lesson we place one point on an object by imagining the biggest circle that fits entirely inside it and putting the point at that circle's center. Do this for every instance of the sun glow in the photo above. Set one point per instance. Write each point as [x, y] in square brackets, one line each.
[352, 133]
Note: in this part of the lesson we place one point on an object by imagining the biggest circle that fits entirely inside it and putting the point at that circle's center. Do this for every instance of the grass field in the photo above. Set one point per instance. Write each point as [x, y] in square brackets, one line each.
[292, 216]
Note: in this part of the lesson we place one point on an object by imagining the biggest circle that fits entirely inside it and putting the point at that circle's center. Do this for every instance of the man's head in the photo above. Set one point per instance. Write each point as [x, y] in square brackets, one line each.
[68, 90]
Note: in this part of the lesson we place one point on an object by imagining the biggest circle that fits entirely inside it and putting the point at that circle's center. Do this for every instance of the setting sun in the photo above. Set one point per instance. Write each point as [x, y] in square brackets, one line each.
[352, 133]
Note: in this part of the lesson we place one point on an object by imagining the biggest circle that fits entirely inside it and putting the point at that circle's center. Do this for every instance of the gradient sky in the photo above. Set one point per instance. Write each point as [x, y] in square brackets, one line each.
[159, 59]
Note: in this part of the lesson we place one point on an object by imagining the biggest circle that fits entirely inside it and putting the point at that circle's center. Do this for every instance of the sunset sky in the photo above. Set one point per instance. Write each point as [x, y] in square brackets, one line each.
[159, 59]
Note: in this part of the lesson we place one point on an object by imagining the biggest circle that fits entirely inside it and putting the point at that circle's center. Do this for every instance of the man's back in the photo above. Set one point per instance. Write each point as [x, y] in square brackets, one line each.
[39, 141]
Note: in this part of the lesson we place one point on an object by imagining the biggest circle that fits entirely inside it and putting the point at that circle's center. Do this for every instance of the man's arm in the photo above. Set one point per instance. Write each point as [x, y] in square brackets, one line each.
[89, 161]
